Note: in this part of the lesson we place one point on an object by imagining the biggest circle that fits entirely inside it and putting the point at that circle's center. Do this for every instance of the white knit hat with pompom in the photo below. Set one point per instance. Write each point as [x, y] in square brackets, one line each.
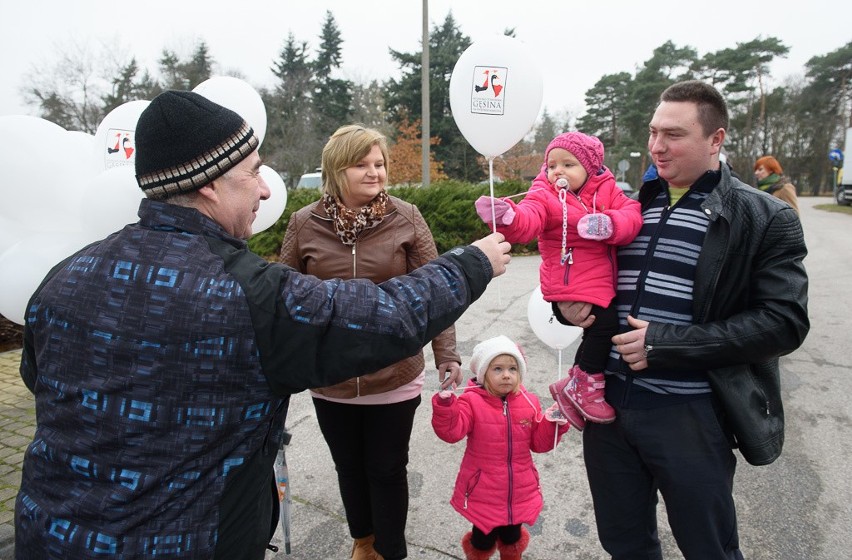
[489, 349]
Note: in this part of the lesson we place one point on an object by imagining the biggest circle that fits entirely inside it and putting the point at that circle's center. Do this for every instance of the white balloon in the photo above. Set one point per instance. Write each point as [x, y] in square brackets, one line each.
[24, 265]
[545, 326]
[82, 144]
[495, 94]
[11, 231]
[41, 169]
[110, 201]
[240, 97]
[271, 208]
[115, 139]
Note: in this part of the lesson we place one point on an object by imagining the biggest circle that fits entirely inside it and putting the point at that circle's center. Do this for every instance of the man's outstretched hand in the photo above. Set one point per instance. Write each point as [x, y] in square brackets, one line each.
[496, 248]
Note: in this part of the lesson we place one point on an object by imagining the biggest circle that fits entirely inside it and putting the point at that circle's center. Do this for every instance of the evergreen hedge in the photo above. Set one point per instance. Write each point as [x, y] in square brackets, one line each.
[447, 206]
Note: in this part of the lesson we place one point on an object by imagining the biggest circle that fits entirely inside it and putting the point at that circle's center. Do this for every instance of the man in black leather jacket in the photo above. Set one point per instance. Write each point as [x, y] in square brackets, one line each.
[710, 294]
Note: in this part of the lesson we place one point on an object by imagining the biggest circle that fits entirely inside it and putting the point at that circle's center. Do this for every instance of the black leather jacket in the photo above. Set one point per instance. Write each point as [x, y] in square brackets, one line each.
[749, 306]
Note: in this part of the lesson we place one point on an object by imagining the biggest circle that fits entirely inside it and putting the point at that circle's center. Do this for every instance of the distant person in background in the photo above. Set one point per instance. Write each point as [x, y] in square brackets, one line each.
[650, 173]
[356, 230]
[768, 173]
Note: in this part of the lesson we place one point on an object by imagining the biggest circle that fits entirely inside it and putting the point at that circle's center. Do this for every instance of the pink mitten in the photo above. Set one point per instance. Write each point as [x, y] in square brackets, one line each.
[503, 211]
[445, 395]
[552, 414]
[595, 226]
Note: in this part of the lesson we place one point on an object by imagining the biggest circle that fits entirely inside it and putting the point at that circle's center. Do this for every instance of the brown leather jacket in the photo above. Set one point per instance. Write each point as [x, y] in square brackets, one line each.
[400, 243]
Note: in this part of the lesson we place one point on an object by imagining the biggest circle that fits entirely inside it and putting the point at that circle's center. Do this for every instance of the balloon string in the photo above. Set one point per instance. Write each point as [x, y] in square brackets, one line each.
[491, 189]
[558, 377]
[519, 194]
[494, 219]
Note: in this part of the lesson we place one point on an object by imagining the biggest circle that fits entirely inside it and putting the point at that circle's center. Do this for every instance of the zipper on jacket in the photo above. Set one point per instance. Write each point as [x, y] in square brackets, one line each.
[270, 426]
[355, 275]
[509, 459]
[705, 307]
[569, 260]
[580, 200]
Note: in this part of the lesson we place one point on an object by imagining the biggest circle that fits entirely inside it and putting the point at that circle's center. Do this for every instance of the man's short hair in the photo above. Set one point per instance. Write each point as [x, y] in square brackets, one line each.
[712, 109]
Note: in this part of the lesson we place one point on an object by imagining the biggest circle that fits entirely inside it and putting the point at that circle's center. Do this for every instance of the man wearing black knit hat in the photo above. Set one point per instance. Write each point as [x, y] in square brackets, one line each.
[162, 357]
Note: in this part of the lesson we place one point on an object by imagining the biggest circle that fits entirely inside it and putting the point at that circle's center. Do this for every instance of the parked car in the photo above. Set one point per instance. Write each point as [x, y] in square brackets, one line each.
[310, 181]
[625, 186]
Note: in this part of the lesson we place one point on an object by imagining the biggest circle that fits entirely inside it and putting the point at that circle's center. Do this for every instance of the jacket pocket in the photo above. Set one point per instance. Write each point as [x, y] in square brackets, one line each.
[750, 396]
[470, 486]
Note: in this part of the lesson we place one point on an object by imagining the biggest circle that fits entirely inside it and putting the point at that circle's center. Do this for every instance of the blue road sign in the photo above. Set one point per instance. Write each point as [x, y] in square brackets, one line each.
[835, 156]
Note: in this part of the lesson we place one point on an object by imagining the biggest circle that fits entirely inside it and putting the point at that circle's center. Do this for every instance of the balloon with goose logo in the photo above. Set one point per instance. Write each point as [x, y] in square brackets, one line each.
[495, 94]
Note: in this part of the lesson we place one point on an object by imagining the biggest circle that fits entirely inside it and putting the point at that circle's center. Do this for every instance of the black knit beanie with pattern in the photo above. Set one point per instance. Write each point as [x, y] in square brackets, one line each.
[184, 141]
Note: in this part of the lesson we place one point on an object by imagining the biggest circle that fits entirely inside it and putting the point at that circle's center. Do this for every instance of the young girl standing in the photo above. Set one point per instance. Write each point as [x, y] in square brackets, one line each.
[497, 487]
[579, 216]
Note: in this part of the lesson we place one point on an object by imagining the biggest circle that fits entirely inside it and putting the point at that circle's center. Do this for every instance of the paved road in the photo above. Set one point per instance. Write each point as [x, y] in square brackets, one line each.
[799, 508]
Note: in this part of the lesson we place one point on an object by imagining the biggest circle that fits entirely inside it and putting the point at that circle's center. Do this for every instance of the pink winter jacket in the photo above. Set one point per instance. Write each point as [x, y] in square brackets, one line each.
[497, 483]
[589, 273]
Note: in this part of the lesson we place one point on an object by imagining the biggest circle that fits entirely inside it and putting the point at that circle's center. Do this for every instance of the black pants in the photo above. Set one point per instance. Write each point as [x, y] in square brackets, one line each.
[369, 445]
[508, 534]
[678, 450]
[594, 350]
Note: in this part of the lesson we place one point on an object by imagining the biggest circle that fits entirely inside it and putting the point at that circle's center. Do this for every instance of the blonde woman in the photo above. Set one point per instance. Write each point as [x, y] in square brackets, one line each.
[357, 230]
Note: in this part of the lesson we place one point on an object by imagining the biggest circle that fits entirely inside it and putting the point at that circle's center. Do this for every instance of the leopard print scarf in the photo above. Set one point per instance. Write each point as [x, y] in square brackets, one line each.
[348, 224]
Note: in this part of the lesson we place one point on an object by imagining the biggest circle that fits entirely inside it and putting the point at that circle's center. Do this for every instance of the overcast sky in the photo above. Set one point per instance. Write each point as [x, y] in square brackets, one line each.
[575, 42]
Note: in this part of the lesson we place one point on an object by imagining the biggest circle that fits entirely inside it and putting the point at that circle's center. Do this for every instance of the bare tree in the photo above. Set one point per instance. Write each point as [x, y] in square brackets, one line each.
[69, 90]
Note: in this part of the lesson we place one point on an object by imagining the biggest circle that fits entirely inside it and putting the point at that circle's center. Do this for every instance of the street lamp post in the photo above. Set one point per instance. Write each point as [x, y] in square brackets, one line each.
[424, 99]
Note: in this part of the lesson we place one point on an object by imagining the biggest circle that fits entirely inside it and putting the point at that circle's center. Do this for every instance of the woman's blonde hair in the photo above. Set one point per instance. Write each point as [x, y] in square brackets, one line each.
[347, 146]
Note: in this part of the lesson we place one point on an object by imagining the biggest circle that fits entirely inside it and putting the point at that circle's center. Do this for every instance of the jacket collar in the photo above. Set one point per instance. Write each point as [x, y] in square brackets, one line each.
[318, 209]
[160, 215]
[718, 183]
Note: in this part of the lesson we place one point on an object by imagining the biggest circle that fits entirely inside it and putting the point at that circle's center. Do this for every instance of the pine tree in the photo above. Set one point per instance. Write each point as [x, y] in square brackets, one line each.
[332, 97]
[446, 44]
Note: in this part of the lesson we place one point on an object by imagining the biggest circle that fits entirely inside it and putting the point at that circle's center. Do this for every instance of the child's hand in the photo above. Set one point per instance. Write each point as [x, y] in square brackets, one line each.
[552, 414]
[595, 226]
[446, 395]
[503, 211]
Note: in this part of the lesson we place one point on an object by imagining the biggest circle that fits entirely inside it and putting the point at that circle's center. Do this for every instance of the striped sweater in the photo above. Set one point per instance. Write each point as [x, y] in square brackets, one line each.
[655, 283]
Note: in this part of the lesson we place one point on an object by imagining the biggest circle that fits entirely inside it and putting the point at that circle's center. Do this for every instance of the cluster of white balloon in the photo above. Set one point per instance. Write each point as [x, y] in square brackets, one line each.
[495, 97]
[61, 190]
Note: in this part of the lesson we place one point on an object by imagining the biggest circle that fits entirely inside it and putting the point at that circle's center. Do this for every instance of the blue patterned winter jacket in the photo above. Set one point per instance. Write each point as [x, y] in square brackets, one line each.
[162, 359]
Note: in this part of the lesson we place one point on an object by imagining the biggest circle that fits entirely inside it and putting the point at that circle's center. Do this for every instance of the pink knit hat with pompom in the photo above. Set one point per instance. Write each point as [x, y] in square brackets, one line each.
[588, 150]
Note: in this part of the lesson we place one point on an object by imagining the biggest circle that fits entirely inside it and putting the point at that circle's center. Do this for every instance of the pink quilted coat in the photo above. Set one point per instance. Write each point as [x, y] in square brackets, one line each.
[589, 272]
[497, 483]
